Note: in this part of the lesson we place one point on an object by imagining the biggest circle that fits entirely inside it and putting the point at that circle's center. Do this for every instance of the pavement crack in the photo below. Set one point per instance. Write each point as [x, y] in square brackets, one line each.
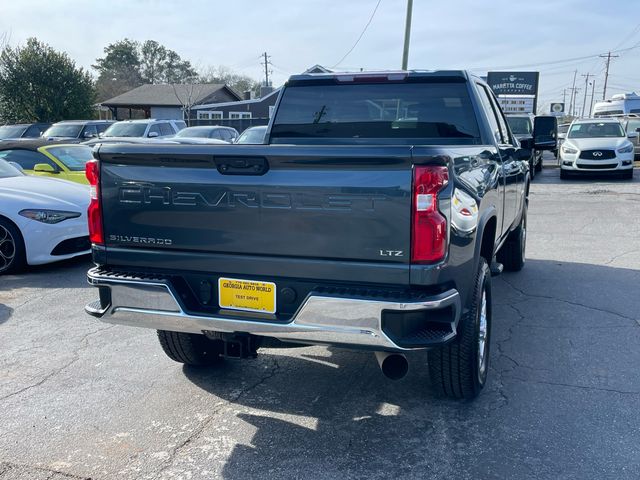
[76, 356]
[20, 469]
[570, 385]
[205, 423]
[568, 302]
[615, 257]
[39, 297]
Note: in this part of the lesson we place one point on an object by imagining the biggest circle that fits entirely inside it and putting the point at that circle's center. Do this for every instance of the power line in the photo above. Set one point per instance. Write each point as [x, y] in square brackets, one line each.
[635, 30]
[361, 35]
[557, 62]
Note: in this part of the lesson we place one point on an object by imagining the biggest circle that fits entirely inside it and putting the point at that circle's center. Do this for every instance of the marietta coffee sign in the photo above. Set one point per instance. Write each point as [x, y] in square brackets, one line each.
[513, 83]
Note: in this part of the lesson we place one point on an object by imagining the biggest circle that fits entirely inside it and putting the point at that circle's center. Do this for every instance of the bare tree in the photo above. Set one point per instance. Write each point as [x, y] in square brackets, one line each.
[188, 96]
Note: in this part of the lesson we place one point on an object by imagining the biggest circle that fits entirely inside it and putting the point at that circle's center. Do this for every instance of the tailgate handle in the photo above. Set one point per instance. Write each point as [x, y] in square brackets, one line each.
[241, 165]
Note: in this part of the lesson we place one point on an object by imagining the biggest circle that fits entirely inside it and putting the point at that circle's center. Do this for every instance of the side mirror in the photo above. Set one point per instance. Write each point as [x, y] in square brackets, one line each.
[527, 143]
[545, 132]
[633, 134]
[44, 168]
[638, 129]
[89, 135]
[153, 135]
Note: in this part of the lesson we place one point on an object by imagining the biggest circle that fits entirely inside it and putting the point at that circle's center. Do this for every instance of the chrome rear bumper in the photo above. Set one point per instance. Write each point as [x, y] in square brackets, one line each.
[321, 319]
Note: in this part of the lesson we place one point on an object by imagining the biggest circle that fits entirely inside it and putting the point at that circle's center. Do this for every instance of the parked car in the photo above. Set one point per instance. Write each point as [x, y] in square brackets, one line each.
[148, 128]
[359, 224]
[204, 133]
[522, 127]
[597, 146]
[632, 124]
[23, 130]
[253, 135]
[42, 220]
[77, 130]
[132, 140]
[42, 158]
[563, 128]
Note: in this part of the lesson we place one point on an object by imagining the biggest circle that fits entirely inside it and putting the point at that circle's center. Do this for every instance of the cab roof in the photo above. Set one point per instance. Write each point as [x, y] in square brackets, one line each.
[381, 76]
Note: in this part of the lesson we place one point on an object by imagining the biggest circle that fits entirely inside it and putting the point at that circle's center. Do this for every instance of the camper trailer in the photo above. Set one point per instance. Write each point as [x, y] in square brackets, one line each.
[621, 104]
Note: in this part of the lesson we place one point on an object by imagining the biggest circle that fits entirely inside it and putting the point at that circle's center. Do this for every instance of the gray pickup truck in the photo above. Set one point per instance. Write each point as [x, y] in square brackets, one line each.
[371, 218]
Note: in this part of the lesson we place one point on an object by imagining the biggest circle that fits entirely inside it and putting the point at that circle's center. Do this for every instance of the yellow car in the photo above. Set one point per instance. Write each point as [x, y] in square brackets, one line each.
[55, 160]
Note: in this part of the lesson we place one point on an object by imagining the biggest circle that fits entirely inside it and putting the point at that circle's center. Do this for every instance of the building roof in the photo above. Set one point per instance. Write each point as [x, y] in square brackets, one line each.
[317, 69]
[157, 95]
[241, 102]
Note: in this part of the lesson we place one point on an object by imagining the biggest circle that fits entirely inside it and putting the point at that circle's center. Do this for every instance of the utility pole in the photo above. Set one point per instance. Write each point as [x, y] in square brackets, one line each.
[608, 56]
[574, 100]
[266, 64]
[407, 35]
[564, 96]
[586, 89]
[593, 92]
[573, 91]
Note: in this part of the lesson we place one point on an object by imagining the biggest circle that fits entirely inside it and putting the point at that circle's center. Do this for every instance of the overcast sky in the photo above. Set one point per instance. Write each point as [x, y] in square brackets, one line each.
[453, 34]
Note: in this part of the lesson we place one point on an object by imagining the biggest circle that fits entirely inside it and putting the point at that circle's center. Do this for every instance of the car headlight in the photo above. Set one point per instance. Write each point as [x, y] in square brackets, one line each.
[49, 216]
[627, 149]
[566, 149]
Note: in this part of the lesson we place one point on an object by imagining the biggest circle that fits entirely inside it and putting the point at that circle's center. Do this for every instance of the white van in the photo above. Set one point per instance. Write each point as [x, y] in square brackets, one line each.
[621, 104]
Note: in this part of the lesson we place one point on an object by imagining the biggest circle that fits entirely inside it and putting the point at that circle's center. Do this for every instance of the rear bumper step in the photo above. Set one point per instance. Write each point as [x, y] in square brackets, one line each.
[324, 319]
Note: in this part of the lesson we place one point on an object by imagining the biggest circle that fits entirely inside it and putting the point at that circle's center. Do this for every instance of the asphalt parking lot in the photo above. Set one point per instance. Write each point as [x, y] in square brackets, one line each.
[82, 399]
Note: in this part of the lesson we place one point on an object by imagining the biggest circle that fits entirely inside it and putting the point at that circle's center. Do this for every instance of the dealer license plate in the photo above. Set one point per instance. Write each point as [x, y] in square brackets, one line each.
[247, 295]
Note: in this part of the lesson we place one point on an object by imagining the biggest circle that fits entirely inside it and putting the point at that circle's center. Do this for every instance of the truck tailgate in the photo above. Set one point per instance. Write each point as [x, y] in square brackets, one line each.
[349, 203]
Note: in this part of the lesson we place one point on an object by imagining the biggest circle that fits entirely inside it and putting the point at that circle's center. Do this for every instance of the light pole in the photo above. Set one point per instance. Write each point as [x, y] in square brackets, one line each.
[407, 35]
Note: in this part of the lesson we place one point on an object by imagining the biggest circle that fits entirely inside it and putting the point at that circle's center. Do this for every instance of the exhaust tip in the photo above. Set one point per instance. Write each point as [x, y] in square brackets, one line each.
[393, 365]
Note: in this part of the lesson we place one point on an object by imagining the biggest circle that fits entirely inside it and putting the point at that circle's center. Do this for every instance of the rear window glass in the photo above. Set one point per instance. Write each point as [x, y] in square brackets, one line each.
[74, 157]
[424, 113]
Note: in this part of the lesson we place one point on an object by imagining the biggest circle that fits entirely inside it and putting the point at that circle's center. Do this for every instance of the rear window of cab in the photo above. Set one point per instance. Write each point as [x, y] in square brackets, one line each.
[402, 113]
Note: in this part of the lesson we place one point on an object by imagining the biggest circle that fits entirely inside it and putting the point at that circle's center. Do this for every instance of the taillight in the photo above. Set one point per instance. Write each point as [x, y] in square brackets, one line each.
[429, 228]
[94, 213]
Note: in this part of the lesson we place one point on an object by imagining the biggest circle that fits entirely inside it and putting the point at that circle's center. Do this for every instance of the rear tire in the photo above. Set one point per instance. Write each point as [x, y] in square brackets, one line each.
[512, 253]
[459, 369]
[190, 348]
[12, 251]
[532, 170]
[539, 165]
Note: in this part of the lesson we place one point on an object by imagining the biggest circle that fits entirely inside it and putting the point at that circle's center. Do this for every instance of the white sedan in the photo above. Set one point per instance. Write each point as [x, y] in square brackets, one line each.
[42, 220]
[597, 146]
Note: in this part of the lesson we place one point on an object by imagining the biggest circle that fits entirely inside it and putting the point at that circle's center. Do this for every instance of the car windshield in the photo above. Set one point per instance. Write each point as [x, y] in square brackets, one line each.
[69, 131]
[12, 131]
[596, 130]
[402, 113]
[125, 130]
[252, 135]
[564, 128]
[520, 125]
[195, 132]
[7, 170]
[74, 157]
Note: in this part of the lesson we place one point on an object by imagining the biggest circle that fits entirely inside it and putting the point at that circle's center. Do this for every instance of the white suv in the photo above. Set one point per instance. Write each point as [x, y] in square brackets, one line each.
[148, 128]
[597, 146]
